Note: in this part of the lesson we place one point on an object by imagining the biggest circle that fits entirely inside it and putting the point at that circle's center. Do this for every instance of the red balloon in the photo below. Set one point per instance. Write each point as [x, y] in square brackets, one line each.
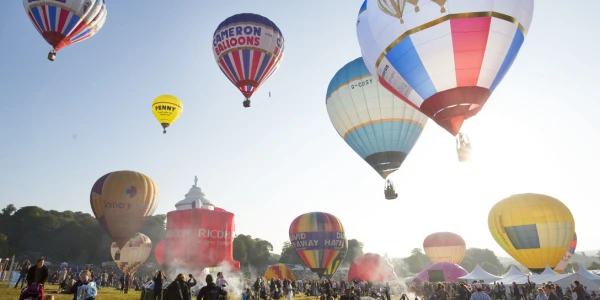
[200, 238]
[159, 252]
[371, 267]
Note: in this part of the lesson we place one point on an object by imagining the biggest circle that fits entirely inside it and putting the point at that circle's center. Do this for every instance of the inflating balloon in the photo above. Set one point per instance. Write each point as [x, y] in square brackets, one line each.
[131, 257]
[318, 238]
[380, 127]
[443, 57]
[248, 49]
[445, 247]
[121, 200]
[371, 267]
[536, 230]
[279, 271]
[166, 110]
[564, 262]
[65, 22]
[159, 252]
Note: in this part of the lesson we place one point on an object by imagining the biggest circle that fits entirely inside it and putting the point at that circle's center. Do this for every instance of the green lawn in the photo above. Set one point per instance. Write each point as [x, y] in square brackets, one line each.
[109, 293]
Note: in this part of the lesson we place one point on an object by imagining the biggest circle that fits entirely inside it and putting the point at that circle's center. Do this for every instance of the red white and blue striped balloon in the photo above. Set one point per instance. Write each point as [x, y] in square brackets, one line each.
[248, 49]
[444, 57]
[65, 22]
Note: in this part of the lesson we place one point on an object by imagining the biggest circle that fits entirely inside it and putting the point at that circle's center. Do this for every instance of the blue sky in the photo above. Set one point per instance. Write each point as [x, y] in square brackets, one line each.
[282, 157]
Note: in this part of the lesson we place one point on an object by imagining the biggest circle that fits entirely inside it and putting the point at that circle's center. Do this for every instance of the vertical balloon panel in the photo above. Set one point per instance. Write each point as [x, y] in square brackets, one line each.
[199, 238]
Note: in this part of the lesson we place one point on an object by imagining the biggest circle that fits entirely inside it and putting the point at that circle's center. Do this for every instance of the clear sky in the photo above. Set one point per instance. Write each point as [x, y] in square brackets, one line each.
[69, 122]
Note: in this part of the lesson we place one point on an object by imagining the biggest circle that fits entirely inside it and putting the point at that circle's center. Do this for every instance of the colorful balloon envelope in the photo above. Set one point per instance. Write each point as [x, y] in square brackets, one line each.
[380, 127]
[536, 230]
[65, 22]
[159, 252]
[166, 110]
[564, 262]
[332, 268]
[444, 57]
[131, 257]
[279, 271]
[121, 200]
[318, 238]
[248, 49]
[445, 247]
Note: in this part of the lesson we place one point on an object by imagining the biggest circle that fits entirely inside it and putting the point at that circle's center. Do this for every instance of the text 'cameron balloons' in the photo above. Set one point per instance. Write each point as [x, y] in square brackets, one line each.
[371, 267]
[565, 260]
[443, 57]
[131, 257]
[536, 230]
[381, 128]
[318, 238]
[199, 238]
[279, 271]
[121, 200]
[159, 252]
[445, 247]
[65, 22]
[166, 110]
[248, 49]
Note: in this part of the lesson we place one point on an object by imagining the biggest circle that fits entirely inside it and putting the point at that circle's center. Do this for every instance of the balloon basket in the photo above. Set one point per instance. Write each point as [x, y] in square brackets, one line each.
[52, 56]
[246, 103]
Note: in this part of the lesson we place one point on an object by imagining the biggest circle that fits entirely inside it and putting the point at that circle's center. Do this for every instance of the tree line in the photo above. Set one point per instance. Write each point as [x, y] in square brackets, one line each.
[77, 238]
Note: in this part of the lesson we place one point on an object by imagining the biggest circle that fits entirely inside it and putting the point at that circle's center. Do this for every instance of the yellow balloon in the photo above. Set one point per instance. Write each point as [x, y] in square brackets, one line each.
[135, 252]
[166, 110]
[534, 229]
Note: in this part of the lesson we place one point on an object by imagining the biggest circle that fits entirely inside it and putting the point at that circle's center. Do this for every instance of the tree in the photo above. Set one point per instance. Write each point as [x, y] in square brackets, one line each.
[598, 254]
[417, 261]
[289, 255]
[257, 250]
[8, 210]
[490, 268]
[476, 256]
[240, 252]
[594, 266]
[355, 249]
[4, 248]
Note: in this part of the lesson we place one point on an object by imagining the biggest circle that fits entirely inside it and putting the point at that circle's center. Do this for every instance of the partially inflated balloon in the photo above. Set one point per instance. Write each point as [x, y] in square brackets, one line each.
[371, 267]
[445, 247]
[248, 49]
[65, 22]
[444, 57]
[536, 230]
[565, 260]
[159, 251]
[166, 110]
[381, 128]
[318, 238]
[131, 257]
[279, 271]
[121, 200]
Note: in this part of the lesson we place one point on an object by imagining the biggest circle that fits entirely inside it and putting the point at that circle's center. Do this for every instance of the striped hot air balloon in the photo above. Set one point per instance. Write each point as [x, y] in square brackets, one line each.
[445, 247]
[131, 257]
[279, 271]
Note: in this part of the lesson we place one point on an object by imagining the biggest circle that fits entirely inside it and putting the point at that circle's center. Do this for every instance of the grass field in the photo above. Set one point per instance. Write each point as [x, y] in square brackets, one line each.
[11, 293]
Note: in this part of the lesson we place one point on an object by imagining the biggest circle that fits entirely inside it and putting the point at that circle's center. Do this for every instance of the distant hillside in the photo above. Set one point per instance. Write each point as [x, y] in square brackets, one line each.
[584, 258]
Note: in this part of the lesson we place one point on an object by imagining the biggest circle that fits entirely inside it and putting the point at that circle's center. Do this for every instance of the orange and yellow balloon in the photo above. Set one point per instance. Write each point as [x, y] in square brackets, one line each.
[279, 271]
[166, 110]
[445, 247]
[536, 230]
[133, 255]
[121, 200]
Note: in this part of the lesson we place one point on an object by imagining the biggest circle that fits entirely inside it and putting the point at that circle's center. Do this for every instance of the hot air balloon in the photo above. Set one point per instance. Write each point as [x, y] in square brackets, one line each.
[444, 57]
[318, 238]
[536, 230]
[131, 257]
[121, 200]
[565, 260]
[159, 252]
[65, 22]
[248, 49]
[166, 110]
[332, 268]
[371, 267]
[377, 125]
[279, 271]
[445, 247]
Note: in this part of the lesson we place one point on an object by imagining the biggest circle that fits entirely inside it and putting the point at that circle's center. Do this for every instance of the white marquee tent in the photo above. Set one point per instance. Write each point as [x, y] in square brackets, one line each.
[585, 277]
[480, 275]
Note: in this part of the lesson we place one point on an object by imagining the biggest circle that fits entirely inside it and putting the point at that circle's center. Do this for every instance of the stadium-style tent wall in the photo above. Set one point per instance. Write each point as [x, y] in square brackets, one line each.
[480, 275]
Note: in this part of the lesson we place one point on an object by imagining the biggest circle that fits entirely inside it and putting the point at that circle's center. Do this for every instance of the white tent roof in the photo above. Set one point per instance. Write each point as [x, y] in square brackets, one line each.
[479, 274]
[548, 271]
[588, 275]
[513, 272]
